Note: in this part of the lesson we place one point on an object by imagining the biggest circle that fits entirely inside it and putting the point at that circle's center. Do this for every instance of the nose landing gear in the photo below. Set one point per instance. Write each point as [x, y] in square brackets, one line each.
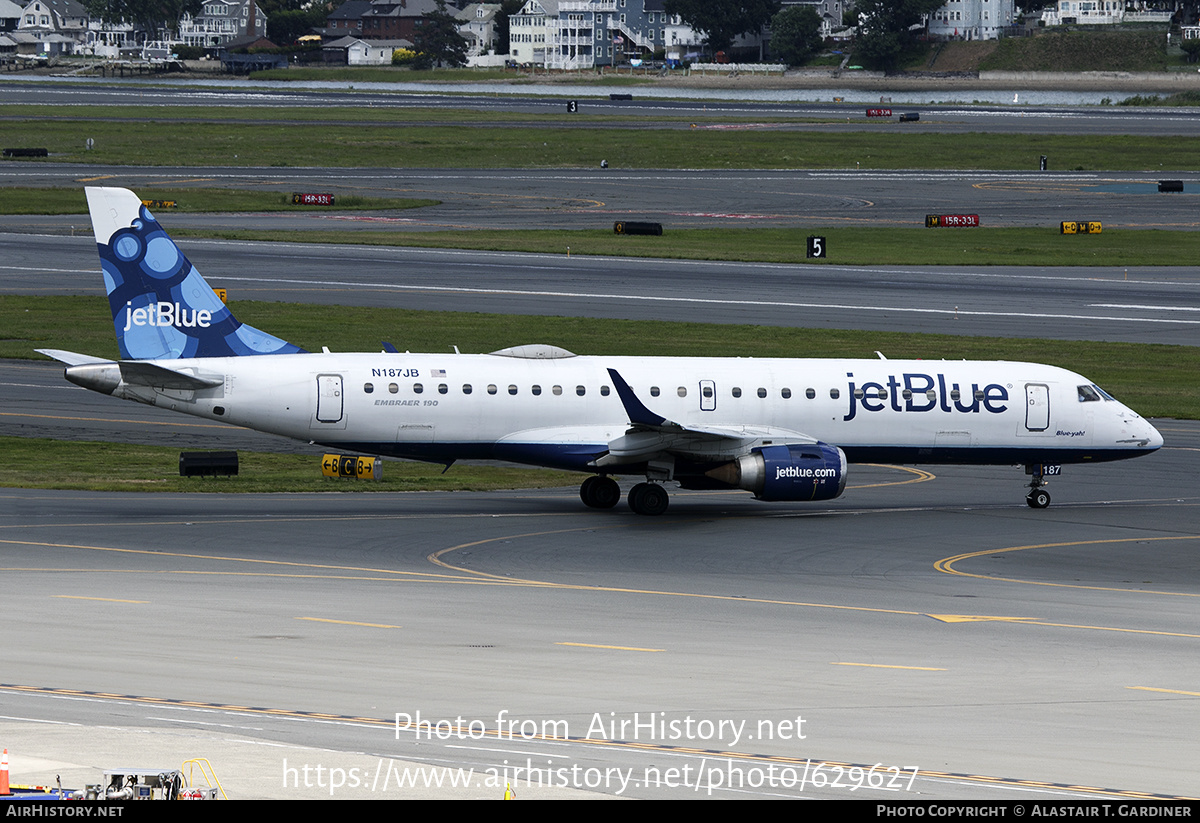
[1038, 497]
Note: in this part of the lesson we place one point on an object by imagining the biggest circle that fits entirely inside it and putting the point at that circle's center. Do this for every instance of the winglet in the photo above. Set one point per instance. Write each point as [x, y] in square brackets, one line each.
[639, 415]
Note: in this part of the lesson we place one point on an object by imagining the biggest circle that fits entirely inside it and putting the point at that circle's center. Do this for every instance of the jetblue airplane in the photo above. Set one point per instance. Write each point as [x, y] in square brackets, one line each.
[781, 429]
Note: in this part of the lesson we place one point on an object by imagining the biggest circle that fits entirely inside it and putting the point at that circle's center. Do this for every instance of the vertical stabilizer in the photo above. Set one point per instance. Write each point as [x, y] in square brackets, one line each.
[162, 308]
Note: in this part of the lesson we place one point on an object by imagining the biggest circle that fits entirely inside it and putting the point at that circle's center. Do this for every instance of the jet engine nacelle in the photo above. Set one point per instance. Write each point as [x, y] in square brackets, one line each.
[814, 471]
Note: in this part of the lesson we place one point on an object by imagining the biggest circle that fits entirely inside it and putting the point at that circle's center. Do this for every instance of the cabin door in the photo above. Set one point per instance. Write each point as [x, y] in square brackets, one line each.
[708, 395]
[330, 399]
[1037, 407]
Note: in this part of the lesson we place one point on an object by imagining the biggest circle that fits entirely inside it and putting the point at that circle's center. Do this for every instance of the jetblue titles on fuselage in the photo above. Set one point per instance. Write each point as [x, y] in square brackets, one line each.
[914, 392]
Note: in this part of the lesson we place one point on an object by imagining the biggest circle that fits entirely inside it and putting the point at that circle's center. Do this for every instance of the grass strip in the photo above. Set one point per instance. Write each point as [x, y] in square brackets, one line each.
[859, 246]
[1156, 380]
[129, 467]
[168, 142]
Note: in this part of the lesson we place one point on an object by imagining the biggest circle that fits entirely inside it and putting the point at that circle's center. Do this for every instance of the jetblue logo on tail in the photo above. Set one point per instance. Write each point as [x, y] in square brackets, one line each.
[162, 308]
[167, 314]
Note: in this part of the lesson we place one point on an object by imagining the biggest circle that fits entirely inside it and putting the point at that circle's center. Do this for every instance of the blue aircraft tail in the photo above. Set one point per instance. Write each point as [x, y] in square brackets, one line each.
[162, 308]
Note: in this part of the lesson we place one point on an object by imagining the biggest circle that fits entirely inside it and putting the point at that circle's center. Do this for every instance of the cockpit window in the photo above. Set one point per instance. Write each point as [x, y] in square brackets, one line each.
[1103, 393]
[1088, 394]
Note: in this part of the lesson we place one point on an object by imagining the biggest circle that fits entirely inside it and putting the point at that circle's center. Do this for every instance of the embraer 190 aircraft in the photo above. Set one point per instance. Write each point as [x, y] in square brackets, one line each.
[781, 429]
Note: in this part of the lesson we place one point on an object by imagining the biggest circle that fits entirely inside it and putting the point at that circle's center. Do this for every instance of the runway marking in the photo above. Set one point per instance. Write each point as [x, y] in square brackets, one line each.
[946, 565]
[1163, 691]
[123, 420]
[599, 646]
[975, 618]
[350, 623]
[949, 312]
[390, 723]
[104, 599]
[92, 179]
[173, 182]
[883, 666]
[1140, 306]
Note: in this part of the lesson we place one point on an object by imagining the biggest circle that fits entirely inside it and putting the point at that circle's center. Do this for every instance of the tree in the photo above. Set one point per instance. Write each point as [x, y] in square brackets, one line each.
[437, 40]
[795, 34]
[723, 20]
[884, 29]
[286, 26]
[151, 16]
[507, 9]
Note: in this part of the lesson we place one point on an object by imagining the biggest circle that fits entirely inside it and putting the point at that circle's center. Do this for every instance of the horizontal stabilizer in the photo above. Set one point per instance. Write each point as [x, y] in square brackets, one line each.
[72, 358]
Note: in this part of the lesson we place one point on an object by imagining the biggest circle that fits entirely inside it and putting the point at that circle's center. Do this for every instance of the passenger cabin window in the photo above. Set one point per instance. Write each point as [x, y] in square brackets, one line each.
[443, 388]
[368, 387]
[681, 391]
[785, 393]
[393, 388]
[418, 388]
[604, 391]
[512, 389]
[654, 391]
[810, 393]
[557, 390]
[737, 392]
[1088, 395]
[834, 394]
[581, 390]
[762, 392]
[491, 388]
[466, 388]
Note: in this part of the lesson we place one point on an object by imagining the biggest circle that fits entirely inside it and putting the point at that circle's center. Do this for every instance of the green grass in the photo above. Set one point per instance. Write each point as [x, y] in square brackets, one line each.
[1157, 380]
[72, 201]
[1179, 98]
[159, 140]
[853, 246]
[1062, 50]
[130, 467]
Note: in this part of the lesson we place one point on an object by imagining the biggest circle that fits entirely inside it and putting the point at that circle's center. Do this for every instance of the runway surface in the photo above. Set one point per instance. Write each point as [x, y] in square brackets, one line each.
[595, 199]
[1151, 304]
[925, 636]
[651, 106]
[928, 622]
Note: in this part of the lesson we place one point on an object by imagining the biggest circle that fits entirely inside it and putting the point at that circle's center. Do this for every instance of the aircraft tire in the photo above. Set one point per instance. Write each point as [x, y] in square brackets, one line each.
[1038, 499]
[649, 499]
[600, 492]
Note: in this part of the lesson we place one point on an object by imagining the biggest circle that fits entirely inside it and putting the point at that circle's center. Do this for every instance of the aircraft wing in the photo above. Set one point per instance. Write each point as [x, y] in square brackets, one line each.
[651, 435]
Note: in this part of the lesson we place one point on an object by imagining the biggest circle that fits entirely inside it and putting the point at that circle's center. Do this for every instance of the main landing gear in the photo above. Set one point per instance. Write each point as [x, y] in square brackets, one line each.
[1038, 497]
[599, 492]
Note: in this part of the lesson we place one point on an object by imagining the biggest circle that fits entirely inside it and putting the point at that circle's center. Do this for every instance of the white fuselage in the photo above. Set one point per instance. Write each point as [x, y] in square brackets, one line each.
[564, 412]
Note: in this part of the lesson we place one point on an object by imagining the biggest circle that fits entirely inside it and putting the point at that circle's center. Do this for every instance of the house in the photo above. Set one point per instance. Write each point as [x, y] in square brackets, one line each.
[1102, 13]
[830, 12]
[974, 19]
[354, 51]
[222, 21]
[346, 19]
[10, 15]
[379, 19]
[477, 25]
[583, 34]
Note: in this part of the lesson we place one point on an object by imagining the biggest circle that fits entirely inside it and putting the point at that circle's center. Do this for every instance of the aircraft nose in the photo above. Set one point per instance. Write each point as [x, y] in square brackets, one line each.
[1155, 438]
